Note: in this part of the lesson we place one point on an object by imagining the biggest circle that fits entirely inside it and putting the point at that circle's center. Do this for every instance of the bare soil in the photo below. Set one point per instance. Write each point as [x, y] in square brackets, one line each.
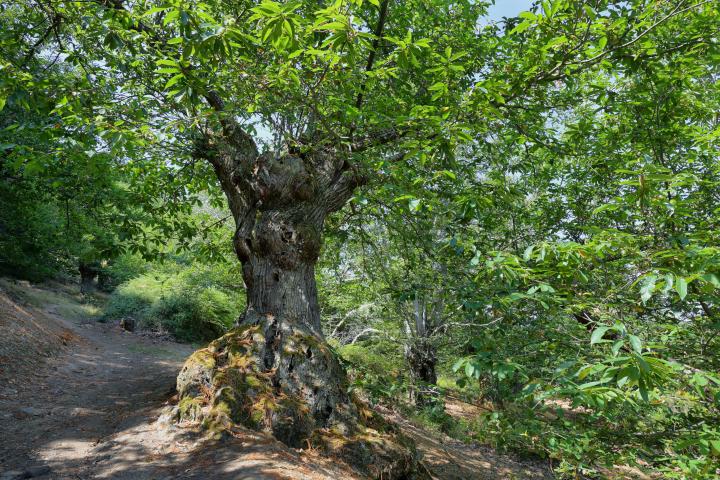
[82, 400]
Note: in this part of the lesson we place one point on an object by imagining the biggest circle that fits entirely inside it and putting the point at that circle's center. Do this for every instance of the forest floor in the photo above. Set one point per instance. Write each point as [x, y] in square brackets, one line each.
[80, 399]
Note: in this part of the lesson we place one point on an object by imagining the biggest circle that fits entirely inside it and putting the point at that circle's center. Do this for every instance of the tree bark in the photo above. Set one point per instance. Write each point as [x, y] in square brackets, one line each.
[421, 358]
[88, 273]
[279, 201]
[420, 352]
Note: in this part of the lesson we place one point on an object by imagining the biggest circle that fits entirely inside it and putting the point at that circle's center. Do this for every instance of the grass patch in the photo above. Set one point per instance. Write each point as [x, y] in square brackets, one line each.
[63, 303]
[74, 311]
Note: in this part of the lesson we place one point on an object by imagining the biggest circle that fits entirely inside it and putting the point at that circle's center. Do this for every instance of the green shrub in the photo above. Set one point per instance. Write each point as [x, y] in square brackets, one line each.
[193, 303]
[377, 375]
[194, 314]
[120, 270]
[364, 358]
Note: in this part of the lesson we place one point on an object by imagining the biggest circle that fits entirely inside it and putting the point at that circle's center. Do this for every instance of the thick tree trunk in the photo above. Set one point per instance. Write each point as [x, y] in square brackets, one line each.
[278, 257]
[279, 202]
[275, 372]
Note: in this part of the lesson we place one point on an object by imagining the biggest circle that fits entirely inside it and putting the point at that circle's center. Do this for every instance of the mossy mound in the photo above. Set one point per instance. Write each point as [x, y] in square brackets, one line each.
[280, 379]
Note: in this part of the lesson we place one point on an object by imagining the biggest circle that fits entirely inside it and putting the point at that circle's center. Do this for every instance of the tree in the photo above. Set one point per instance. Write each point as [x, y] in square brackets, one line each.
[280, 198]
[355, 93]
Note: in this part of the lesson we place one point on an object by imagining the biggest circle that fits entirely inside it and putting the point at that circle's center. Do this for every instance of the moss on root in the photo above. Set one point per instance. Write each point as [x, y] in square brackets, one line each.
[225, 379]
[190, 408]
[387, 456]
[279, 387]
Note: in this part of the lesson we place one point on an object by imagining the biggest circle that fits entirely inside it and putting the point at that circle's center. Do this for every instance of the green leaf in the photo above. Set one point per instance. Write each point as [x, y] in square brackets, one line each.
[174, 80]
[635, 343]
[521, 27]
[648, 287]
[715, 444]
[598, 334]
[458, 365]
[171, 16]
[712, 279]
[681, 287]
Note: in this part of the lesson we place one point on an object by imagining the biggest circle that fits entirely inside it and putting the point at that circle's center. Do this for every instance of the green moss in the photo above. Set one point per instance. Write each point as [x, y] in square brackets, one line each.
[203, 357]
[190, 408]
[222, 407]
[253, 382]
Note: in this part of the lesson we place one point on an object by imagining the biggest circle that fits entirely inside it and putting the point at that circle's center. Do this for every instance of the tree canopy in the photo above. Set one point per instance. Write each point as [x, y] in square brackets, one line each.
[528, 205]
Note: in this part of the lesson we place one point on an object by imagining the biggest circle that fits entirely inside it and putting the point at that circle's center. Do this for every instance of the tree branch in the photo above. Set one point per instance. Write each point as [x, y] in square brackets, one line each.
[375, 45]
[54, 24]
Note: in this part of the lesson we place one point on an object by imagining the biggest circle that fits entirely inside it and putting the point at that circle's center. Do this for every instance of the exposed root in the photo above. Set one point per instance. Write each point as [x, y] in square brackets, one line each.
[280, 379]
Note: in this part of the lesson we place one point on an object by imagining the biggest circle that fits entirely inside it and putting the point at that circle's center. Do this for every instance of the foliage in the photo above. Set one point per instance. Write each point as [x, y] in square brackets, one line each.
[547, 186]
[374, 371]
[191, 302]
[29, 236]
[123, 269]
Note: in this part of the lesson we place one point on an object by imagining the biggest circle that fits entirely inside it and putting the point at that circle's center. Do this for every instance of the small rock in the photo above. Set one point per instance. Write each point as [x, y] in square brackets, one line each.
[127, 324]
[34, 412]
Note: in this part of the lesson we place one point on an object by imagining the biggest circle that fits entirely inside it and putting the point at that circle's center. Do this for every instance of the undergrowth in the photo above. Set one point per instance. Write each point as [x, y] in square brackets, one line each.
[191, 302]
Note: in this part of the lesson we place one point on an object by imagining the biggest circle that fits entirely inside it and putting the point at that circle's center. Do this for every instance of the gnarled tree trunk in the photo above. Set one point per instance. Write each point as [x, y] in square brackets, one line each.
[275, 372]
[279, 202]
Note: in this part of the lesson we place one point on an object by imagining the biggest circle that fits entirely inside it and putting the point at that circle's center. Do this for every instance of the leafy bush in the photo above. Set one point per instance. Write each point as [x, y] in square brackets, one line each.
[122, 269]
[622, 404]
[30, 240]
[377, 375]
[193, 303]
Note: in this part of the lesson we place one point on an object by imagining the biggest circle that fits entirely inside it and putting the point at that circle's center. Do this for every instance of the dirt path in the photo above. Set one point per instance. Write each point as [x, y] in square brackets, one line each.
[89, 409]
[91, 403]
[107, 381]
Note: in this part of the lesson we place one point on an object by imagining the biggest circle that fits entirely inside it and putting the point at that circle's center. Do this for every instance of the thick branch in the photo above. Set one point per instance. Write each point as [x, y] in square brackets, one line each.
[342, 188]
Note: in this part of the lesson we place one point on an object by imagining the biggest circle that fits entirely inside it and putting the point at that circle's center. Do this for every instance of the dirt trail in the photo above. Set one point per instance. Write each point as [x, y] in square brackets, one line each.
[106, 381]
[90, 411]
